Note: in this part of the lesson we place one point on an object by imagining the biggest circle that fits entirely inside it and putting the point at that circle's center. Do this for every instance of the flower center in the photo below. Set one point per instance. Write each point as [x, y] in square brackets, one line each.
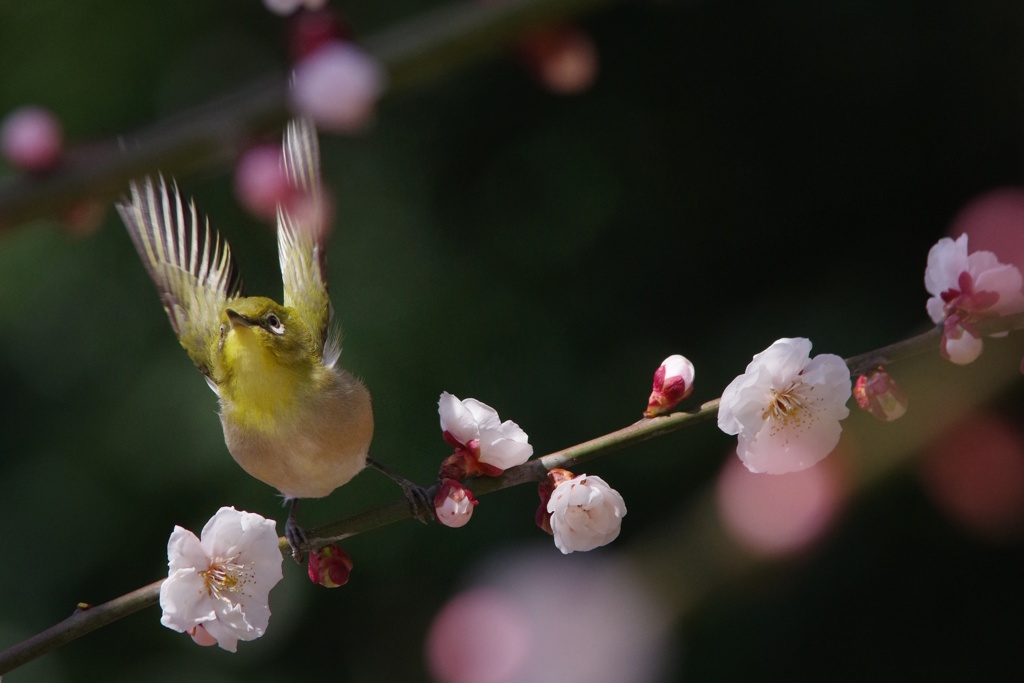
[785, 406]
[966, 302]
[224, 576]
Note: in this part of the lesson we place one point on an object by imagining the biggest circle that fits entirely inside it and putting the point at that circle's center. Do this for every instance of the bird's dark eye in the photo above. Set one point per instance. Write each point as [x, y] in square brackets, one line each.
[274, 324]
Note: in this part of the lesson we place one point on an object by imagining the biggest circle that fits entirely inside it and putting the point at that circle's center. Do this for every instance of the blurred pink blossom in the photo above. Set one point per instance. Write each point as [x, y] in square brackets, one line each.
[773, 516]
[261, 182]
[975, 472]
[562, 58]
[538, 618]
[337, 86]
[31, 138]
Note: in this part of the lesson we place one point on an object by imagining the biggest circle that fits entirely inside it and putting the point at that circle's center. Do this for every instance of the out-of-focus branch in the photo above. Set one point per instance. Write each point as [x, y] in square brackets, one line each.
[412, 53]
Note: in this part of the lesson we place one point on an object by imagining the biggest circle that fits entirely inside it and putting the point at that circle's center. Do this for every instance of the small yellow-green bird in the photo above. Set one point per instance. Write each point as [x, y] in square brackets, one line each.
[292, 417]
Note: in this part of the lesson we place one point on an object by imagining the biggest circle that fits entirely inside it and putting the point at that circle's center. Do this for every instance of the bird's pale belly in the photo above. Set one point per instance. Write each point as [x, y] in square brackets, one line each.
[309, 450]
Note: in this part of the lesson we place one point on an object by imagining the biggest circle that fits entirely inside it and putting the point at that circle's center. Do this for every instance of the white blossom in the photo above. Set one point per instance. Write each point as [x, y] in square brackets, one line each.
[965, 289]
[786, 407]
[586, 513]
[221, 581]
[476, 427]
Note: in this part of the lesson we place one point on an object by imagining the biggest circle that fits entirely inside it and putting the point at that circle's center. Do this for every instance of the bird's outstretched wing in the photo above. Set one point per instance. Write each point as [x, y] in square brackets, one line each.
[189, 262]
[301, 239]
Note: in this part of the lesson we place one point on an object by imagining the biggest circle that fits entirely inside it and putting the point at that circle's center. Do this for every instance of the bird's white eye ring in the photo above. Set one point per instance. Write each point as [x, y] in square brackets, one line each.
[274, 324]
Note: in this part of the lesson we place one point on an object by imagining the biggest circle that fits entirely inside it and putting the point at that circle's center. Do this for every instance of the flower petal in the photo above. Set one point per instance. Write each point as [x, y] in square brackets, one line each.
[963, 349]
[486, 417]
[456, 419]
[1005, 280]
[185, 601]
[946, 260]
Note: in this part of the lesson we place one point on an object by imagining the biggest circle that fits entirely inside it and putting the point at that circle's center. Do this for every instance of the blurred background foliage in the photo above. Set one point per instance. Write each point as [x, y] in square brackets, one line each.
[739, 172]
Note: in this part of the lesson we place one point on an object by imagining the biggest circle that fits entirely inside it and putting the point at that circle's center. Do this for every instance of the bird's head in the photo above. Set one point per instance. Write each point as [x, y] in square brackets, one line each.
[260, 327]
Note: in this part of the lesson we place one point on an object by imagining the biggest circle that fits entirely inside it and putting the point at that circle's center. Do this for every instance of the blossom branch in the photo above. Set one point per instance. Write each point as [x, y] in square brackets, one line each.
[89, 619]
[924, 343]
[85, 619]
[412, 54]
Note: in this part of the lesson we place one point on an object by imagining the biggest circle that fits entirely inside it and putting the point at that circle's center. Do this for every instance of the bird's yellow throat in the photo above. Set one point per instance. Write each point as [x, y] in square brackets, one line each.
[260, 390]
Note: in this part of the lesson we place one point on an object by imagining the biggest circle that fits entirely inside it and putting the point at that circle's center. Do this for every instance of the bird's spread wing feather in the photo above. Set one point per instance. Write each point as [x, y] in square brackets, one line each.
[301, 239]
[189, 262]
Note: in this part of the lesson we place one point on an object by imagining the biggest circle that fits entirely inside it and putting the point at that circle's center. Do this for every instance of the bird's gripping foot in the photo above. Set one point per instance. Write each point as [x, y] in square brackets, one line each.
[421, 503]
[294, 533]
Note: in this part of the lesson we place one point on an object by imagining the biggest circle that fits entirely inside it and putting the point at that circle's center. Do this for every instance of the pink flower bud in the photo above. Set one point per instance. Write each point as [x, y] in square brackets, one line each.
[31, 138]
[454, 504]
[260, 181]
[879, 394]
[337, 86]
[201, 636]
[555, 476]
[330, 566]
[673, 381]
[562, 58]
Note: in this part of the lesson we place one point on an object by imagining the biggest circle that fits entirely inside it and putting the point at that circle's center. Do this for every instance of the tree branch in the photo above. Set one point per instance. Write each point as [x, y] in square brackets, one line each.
[89, 619]
[412, 54]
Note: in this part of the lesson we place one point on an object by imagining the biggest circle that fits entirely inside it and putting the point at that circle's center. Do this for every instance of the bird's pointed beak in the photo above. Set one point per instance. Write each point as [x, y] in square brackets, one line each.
[237, 319]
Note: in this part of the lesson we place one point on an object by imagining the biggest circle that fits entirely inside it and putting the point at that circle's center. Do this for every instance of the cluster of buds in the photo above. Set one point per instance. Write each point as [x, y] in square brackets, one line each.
[484, 446]
[329, 566]
[581, 512]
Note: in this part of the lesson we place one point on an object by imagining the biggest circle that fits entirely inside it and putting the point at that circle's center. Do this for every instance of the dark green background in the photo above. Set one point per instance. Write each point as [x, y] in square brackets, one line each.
[741, 171]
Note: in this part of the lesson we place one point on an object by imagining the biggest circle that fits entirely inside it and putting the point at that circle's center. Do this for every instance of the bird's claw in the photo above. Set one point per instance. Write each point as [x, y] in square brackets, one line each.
[420, 501]
[296, 536]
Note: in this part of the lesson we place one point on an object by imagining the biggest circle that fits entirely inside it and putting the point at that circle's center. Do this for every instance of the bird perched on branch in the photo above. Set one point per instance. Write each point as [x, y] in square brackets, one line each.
[292, 417]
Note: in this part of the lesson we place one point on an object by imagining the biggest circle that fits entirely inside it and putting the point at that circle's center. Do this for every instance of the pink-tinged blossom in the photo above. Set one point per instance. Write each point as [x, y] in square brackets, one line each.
[31, 138]
[221, 582]
[967, 288]
[329, 566]
[673, 381]
[475, 430]
[877, 393]
[453, 504]
[337, 86]
[586, 513]
[786, 407]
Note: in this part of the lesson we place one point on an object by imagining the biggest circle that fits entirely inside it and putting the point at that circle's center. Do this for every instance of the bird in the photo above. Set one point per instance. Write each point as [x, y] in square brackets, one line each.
[292, 416]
